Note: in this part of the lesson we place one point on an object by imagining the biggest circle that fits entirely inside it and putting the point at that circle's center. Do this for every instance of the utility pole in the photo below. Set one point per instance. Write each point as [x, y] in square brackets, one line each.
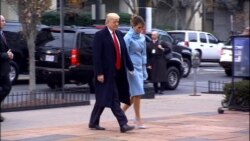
[142, 8]
[97, 11]
[62, 42]
[146, 13]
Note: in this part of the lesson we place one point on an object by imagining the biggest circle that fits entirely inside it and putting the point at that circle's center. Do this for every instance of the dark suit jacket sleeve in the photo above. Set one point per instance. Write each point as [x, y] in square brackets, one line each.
[166, 46]
[97, 53]
[3, 53]
[3, 56]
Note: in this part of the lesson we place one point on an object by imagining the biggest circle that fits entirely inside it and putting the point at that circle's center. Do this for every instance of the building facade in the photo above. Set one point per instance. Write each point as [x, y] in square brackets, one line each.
[216, 16]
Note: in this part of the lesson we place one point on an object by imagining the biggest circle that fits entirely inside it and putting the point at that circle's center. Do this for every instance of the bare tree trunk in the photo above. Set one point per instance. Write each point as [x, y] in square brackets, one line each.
[32, 72]
[194, 11]
[172, 7]
[132, 4]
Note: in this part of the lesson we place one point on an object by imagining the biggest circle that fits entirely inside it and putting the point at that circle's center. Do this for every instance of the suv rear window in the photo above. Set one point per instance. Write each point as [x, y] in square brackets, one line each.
[86, 40]
[56, 40]
[178, 36]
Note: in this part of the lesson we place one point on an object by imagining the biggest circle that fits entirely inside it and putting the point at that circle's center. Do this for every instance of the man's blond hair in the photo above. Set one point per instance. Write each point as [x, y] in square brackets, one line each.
[111, 16]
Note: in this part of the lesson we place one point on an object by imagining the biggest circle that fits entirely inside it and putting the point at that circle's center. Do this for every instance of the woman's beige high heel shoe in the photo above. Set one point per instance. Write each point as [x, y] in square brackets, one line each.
[139, 125]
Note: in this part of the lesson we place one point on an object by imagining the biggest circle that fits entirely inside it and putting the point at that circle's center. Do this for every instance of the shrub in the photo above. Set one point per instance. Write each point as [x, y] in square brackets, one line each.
[70, 18]
[84, 20]
[241, 95]
[124, 18]
[51, 18]
[79, 19]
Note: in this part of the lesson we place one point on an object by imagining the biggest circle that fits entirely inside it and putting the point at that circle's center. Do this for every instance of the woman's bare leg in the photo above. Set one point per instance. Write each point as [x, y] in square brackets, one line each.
[125, 106]
[137, 108]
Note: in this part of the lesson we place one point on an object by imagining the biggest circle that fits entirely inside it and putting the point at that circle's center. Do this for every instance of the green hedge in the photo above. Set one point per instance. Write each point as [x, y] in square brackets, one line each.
[242, 90]
[71, 18]
[53, 18]
[124, 18]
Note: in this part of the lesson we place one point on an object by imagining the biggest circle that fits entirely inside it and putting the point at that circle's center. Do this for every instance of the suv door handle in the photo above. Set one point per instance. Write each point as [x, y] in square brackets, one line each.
[201, 45]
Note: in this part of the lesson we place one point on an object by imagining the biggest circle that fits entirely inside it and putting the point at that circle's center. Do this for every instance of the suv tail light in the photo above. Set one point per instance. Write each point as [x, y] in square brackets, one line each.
[75, 57]
[186, 43]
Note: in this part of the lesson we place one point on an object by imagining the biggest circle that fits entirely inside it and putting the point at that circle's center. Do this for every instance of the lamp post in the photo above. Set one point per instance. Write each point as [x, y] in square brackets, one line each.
[62, 41]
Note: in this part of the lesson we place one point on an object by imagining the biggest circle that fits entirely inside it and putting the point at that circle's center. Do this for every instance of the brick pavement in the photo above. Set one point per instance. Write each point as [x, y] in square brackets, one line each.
[171, 125]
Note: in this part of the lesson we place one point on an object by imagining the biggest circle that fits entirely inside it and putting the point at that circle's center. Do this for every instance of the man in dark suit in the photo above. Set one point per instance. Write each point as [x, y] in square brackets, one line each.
[5, 56]
[111, 60]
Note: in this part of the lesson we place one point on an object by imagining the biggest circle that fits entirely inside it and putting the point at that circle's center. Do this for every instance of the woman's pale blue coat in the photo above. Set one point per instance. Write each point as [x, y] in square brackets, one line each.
[136, 46]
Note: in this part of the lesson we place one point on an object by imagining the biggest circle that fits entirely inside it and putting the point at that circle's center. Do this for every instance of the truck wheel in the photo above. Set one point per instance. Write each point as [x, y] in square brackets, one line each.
[187, 67]
[14, 72]
[173, 75]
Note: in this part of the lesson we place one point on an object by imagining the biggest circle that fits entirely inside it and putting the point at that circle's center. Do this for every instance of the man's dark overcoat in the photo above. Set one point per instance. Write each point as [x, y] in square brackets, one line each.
[4, 59]
[158, 61]
[104, 56]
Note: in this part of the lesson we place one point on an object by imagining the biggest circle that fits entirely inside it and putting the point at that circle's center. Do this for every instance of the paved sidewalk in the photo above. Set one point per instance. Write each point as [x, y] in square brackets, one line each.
[168, 118]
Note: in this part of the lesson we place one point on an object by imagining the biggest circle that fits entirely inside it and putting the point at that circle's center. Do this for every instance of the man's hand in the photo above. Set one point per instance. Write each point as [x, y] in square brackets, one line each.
[160, 47]
[10, 54]
[100, 78]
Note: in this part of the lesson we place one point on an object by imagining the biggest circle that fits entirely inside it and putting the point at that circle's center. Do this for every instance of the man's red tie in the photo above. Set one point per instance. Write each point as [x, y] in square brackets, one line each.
[118, 52]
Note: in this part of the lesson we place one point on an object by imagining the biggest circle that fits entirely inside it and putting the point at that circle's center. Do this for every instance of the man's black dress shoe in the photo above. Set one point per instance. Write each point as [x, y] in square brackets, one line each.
[96, 127]
[126, 128]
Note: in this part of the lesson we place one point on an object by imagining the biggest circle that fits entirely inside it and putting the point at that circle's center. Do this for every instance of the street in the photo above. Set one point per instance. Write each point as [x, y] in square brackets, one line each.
[207, 71]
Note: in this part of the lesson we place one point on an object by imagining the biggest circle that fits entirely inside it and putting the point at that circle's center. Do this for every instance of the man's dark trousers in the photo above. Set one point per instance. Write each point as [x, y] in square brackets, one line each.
[115, 108]
[5, 87]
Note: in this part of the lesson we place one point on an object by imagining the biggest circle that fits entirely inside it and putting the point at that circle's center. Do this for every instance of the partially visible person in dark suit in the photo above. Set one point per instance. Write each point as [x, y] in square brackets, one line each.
[157, 62]
[111, 62]
[5, 56]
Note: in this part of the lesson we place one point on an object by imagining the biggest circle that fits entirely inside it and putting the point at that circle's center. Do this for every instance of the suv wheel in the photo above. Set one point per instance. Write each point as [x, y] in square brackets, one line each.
[187, 67]
[173, 75]
[54, 85]
[13, 72]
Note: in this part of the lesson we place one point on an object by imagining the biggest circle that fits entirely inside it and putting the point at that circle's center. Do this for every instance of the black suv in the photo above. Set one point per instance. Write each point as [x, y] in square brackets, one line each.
[78, 59]
[18, 45]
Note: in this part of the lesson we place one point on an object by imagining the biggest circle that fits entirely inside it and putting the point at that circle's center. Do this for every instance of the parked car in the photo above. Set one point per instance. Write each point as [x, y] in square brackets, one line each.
[208, 46]
[186, 53]
[226, 58]
[78, 59]
[18, 45]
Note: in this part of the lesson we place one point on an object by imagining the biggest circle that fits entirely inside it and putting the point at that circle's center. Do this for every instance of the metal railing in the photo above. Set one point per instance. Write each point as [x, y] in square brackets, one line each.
[25, 100]
[216, 87]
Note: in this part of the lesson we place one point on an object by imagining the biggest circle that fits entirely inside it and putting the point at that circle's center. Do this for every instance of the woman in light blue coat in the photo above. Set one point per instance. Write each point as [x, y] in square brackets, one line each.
[136, 46]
